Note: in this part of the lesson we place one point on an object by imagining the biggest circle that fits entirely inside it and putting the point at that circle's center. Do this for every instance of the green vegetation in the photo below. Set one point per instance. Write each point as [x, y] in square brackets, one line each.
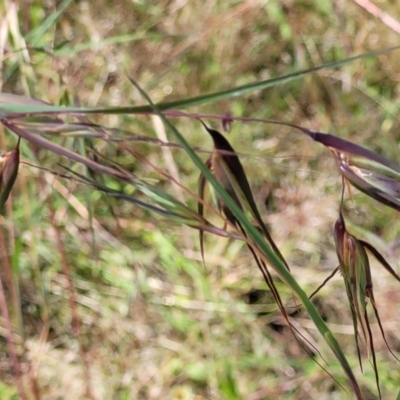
[107, 291]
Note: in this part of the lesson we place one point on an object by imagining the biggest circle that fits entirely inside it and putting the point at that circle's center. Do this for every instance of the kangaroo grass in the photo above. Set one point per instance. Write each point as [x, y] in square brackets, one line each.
[371, 173]
[355, 268]
[263, 253]
[229, 172]
[268, 254]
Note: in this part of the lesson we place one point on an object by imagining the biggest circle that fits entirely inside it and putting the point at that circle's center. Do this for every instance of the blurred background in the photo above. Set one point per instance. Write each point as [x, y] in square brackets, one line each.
[111, 302]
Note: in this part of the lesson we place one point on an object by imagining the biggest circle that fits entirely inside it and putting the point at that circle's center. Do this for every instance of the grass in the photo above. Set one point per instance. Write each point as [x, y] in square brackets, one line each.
[113, 291]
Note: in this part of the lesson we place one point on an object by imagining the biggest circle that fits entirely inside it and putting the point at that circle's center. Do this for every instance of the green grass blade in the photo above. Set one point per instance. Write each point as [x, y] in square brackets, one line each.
[8, 110]
[245, 89]
[34, 36]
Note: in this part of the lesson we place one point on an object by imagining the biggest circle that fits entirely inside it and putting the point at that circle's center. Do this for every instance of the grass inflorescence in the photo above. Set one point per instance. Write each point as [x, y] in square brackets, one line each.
[108, 120]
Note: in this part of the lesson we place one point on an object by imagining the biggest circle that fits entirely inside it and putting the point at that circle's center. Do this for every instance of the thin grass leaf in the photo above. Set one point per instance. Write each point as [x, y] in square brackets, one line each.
[34, 36]
[12, 111]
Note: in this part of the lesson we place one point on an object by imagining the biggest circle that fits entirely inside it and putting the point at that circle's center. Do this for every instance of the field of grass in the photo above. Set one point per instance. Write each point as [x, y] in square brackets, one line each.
[107, 300]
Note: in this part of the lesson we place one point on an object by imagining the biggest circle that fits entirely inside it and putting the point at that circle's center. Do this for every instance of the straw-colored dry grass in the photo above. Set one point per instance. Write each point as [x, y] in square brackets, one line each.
[153, 323]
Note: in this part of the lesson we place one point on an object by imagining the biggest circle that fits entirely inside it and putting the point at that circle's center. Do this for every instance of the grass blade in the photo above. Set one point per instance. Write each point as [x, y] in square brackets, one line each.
[34, 36]
[10, 110]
